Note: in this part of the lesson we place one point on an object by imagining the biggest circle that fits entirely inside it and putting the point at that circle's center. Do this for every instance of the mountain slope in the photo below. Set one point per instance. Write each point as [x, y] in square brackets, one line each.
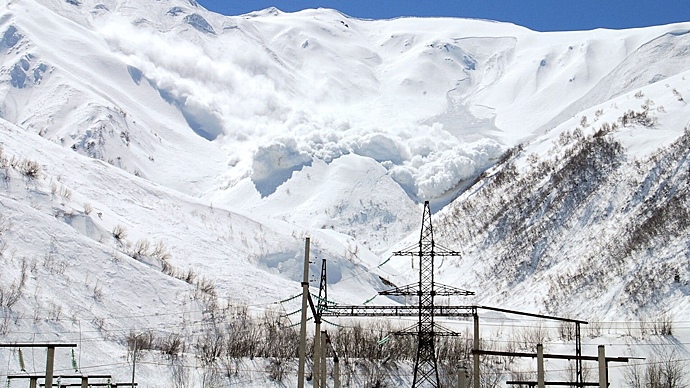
[162, 164]
[591, 217]
[328, 84]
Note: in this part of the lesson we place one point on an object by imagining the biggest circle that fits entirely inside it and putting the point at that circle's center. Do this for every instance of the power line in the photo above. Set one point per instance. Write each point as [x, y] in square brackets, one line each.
[129, 317]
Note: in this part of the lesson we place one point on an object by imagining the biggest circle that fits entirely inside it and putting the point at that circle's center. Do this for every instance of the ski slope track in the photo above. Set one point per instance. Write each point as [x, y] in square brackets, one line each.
[158, 160]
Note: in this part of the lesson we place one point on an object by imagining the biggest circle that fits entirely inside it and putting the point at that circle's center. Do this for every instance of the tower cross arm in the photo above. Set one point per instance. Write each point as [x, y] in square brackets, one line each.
[393, 311]
[406, 253]
[436, 251]
[413, 290]
[439, 250]
[408, 290]
[445, 290]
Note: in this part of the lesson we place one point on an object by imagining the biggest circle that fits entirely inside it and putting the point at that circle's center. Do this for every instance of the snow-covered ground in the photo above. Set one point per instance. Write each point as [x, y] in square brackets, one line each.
[151, 148]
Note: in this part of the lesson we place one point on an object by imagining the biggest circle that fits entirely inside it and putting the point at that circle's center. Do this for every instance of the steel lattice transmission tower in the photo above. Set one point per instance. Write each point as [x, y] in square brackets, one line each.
[426, 290]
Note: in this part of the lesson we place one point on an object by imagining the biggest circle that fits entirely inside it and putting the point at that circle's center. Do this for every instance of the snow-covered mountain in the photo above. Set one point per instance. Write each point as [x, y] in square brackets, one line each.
[157, 157]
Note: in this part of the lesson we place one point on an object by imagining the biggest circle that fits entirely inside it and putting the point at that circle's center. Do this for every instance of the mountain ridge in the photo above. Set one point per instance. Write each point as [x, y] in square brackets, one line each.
[195, 154]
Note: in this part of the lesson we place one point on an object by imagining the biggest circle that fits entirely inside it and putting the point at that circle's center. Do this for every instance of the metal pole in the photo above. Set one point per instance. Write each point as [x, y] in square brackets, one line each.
[323, 359]
[303, 323]
[50, 360]
[32, 382]
[578, 354]
[603, 378]
[462, 377]
[134, 358]
[540, 366]
[316, 370]
[475, 356]
[85, 382]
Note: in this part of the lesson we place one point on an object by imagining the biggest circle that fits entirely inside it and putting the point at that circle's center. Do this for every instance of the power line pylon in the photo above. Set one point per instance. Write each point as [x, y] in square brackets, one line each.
[426, 330]
[323, 289]
[319, 351]
[426, 290]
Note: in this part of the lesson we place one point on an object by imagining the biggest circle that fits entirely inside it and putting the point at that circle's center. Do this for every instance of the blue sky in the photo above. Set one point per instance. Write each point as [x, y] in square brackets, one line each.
[540, 15]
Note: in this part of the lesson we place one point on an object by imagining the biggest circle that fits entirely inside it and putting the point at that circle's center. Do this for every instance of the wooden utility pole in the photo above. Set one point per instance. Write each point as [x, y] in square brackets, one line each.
[540, 366]
[50, 361]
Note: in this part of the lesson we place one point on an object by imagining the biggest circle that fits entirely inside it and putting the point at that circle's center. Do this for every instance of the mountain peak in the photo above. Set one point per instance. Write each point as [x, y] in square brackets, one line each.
[157, 143]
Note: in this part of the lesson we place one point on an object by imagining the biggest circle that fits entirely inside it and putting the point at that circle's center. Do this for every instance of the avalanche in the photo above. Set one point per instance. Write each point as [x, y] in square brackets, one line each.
[161, 163]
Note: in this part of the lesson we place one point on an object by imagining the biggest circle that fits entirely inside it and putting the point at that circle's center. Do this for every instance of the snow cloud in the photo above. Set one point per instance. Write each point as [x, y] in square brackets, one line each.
[274, 164]
[243, 96]
[212, 86]
[441, 171]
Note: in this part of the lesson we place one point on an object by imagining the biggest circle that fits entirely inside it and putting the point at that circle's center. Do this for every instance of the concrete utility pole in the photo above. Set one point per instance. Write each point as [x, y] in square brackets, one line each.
[475, 352]
[462, 377]
[322, 371]
[303, 322]
[603, 370]
[316, 370]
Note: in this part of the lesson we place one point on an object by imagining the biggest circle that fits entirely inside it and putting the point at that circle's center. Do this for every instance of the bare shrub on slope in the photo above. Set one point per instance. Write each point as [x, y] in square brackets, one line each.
[667, 370]
[614, 220]
[29, 168]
